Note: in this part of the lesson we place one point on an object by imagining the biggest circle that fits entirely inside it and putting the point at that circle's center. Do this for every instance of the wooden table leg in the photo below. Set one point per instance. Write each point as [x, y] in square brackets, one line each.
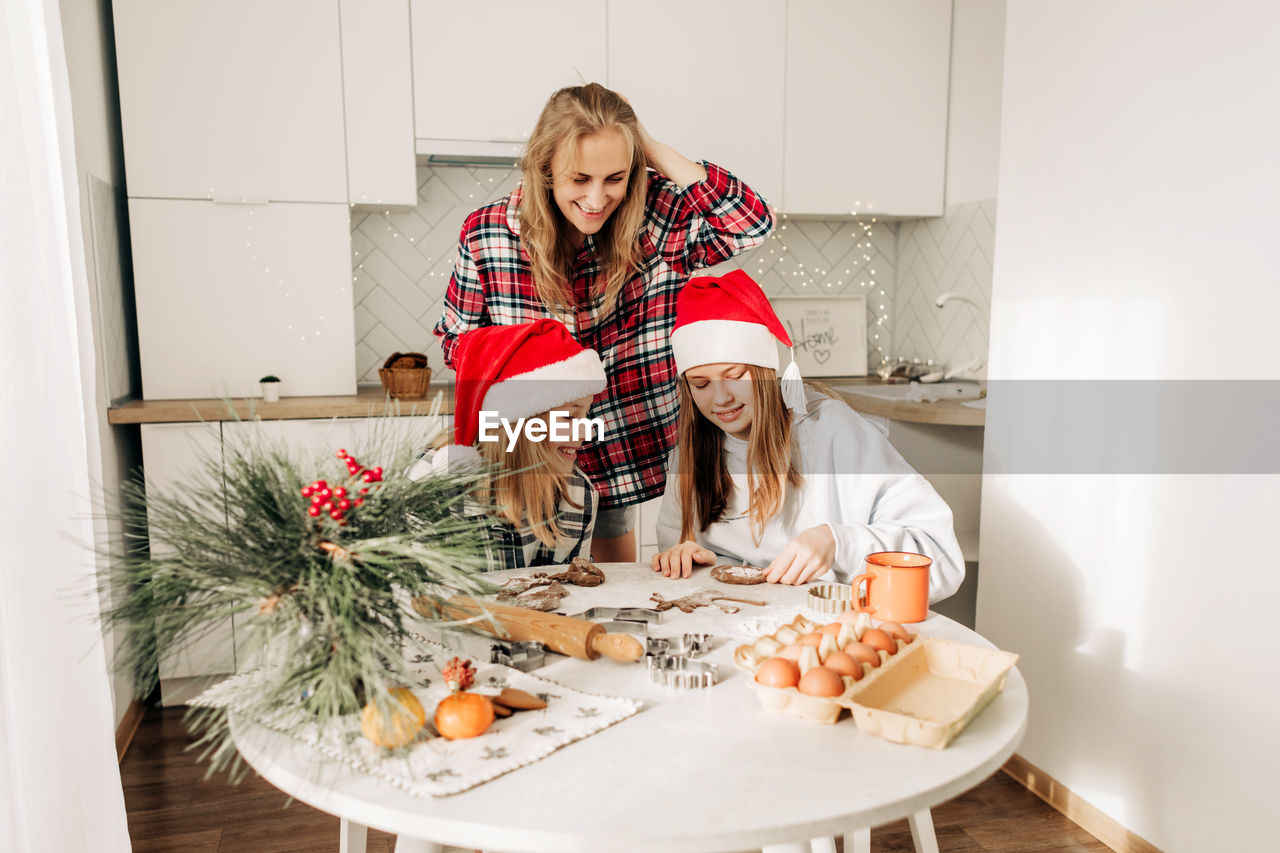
[352, 837]
[858, 841]
[921, 824]
[404, 844]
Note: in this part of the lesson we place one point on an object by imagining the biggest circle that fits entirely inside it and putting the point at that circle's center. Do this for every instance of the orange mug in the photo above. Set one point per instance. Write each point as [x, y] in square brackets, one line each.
[897, 587]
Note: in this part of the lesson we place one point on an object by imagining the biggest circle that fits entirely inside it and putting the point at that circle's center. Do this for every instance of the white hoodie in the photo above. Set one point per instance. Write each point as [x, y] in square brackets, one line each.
[855, 482]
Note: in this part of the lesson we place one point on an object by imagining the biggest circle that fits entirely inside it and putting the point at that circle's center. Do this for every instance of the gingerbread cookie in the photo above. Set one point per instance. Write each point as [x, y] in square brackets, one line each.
[738, 574]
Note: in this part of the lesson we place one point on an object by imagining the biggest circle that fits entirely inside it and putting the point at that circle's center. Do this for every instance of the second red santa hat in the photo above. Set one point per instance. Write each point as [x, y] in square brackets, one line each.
[728, 319]
[518, 372]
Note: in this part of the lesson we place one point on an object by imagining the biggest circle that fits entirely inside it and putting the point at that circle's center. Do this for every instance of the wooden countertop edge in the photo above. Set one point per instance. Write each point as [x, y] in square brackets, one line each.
[366, 402]
[943, 412]
[372, 402]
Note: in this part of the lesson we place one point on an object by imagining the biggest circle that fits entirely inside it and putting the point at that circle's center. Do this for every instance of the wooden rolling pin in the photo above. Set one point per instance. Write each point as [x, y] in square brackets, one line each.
[574, 637]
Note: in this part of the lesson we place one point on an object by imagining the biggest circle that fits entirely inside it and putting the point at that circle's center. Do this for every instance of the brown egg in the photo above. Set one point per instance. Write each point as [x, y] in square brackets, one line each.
[862, 652]
[848, 617]
[821, 681]
[893, 629]
[810, 639]
[833, 628]
[879, 640]
[844, 664]
[778, 672]
[791, 652]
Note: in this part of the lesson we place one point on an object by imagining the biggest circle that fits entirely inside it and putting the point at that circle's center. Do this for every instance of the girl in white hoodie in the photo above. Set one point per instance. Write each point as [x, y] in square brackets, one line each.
[777, 475]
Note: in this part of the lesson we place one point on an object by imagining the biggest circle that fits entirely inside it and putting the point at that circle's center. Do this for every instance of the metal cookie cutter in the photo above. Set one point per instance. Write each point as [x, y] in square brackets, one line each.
[524, 656]
[685, 645]
[624, 620]
[680, 672]
[831, 598]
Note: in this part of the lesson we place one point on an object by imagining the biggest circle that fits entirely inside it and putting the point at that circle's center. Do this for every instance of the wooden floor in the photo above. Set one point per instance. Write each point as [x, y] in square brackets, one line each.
[172, 807]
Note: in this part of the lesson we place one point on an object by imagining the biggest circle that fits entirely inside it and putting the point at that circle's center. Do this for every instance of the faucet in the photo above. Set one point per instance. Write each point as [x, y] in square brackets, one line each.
[954, 294]
[976, 367]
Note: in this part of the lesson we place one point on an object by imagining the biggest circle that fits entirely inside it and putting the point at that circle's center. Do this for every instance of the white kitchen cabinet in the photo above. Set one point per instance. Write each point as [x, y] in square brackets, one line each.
[866, 106]
[726, 105]
[231, 99]
[314, 441]
[172, 454]
[483, 71]
[647, 529]
[377, 82]
[227, 293]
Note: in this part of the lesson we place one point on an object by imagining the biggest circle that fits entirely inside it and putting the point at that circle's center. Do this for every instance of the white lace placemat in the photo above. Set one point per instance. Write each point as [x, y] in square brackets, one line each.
[436, 766]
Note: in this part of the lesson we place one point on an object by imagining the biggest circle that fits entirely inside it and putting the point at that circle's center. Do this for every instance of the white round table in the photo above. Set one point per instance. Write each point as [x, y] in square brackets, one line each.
[697, 770]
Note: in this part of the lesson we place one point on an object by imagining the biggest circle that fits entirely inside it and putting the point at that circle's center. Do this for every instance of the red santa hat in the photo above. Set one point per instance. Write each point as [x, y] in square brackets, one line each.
[728, 319]
[518, 372]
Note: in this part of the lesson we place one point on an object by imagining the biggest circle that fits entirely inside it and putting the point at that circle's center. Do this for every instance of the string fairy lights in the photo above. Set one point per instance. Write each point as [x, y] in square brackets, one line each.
[817, 280]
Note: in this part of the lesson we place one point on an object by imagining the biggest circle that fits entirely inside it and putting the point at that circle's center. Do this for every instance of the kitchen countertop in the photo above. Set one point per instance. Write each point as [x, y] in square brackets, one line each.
[371, 401]
[368, 401]
[941, 412]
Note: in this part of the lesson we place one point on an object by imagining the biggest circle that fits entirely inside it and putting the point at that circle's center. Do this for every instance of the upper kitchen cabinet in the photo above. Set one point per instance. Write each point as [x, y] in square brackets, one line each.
[229, 292]
[866, 106]
[377, 82]
[231, 99]
[721, 101]
[483, 71]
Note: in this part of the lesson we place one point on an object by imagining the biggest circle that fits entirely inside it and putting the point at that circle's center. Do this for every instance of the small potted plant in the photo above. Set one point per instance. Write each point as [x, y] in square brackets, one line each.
[270, 385]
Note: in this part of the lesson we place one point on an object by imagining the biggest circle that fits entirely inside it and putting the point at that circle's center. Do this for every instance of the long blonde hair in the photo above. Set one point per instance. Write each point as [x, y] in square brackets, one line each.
[772, 463]
[571, 114]
[527, 489]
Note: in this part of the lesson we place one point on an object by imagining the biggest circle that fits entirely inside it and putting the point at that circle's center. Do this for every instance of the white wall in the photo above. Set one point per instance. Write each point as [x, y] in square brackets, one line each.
[108, 334]
[1138, 187]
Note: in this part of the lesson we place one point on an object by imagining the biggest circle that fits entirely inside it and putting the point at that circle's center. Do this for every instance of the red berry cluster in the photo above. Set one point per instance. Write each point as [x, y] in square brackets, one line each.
[337, 501]
[458, 674]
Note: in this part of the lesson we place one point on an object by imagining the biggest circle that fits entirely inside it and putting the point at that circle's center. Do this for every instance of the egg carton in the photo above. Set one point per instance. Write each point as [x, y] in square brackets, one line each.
[929, 692]
[923, 694]
[749, 656]
[818, 709]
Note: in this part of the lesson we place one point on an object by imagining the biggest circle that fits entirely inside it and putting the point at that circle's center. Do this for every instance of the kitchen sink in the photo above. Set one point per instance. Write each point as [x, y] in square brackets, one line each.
[916, 390]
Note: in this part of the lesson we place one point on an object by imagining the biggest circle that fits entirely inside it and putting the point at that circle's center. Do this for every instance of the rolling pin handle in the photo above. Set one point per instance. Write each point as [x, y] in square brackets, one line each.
[622, 648]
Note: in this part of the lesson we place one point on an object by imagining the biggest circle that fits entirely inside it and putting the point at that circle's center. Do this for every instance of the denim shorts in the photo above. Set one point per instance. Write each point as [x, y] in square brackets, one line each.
[614, 521]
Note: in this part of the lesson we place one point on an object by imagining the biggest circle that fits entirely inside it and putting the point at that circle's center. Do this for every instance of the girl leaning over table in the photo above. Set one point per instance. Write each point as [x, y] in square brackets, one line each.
[776, 474]
[605, 228]
[544, 505]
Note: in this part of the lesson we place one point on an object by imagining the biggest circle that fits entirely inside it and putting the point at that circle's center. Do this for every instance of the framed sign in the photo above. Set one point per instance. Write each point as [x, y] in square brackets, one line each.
[829, 333]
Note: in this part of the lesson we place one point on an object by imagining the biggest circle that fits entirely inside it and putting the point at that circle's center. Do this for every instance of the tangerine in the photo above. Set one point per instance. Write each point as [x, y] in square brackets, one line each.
[463, 715]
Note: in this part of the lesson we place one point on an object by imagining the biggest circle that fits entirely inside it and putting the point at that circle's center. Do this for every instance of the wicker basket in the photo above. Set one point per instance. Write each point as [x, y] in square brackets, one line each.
[405, 376]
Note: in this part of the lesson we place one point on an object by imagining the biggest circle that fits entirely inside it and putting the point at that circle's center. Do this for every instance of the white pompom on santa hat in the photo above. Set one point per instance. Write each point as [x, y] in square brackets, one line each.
[728, 319]
[515, 372]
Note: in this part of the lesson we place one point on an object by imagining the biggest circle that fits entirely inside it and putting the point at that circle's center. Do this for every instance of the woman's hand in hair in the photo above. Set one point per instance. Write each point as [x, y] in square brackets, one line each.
[667, 160]
[806, 557]
[678, 560]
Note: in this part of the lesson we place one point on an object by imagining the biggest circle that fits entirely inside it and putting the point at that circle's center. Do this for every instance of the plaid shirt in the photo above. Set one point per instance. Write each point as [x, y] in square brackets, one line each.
[701, 225]
[520, 549]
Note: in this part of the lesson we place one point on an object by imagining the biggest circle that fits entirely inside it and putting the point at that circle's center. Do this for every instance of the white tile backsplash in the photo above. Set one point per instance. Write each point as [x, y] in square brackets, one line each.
[948, 253]
[401, 264]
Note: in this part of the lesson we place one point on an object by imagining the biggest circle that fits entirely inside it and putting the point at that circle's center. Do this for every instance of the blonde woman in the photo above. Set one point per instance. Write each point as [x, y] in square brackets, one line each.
[773, 474]
[606, 227]
[510, 379]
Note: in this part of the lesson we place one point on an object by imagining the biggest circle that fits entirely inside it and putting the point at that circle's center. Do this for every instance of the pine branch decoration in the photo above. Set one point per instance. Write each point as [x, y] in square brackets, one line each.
[320, 595]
